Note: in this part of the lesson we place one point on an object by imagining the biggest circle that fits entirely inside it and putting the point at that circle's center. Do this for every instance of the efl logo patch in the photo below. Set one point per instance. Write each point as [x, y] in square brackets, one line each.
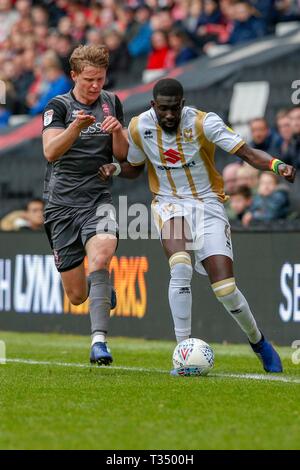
[48, 117]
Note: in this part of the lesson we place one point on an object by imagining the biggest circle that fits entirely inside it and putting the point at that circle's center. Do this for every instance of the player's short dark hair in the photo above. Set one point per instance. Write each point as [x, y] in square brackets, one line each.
[168, 87]
[244, 191]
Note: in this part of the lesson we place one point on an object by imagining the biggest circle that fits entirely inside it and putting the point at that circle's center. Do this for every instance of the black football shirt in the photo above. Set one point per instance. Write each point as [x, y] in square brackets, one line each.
[72, 179]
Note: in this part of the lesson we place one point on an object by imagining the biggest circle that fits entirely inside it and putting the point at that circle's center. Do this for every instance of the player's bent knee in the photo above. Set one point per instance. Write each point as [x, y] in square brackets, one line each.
[224, 289]
[100, 261]
[75, 297]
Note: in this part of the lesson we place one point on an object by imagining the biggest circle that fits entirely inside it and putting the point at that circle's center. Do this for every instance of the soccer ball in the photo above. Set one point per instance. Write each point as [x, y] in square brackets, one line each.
[193, 357]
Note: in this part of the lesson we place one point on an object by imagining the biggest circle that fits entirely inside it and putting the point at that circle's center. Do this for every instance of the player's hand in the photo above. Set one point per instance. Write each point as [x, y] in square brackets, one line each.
[287, 171]
[83, 120]
[106, 171]
[111, 124]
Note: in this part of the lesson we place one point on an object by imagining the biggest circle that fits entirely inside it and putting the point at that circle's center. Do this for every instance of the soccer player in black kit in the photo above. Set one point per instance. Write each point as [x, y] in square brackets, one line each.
[83, 129]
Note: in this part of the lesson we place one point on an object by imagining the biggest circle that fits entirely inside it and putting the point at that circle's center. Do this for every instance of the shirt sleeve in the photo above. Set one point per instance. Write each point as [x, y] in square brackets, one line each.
[136, 155]
[216, 131]
[54, 115]
[119, 111]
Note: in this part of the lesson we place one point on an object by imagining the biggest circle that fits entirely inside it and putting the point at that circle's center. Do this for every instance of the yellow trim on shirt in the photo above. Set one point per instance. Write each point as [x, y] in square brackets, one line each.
[186, 169]
[152, 178]
[207, 154]
[138, 164]
[237, 147]
[136, 137]
[161, 154]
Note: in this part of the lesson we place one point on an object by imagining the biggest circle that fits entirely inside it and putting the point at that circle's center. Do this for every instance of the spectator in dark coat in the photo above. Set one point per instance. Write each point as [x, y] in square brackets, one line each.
[292, 156]
[246, 26]
[263, 138]
[180, 47]
[271, 201]
[118, 57]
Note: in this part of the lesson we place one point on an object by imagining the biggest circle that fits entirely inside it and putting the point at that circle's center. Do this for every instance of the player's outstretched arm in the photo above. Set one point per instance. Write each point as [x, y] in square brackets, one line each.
[56, 142]
[263, 161]
[126, 171]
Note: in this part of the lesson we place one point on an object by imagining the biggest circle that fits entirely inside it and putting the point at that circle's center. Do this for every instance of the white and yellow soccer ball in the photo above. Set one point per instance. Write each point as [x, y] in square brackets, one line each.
[193, 357]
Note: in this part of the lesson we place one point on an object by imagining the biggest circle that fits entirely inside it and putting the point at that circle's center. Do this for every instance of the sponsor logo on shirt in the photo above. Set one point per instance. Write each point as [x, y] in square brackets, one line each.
[148, 134]
[186, 165]
[93, 130]
[173, 156]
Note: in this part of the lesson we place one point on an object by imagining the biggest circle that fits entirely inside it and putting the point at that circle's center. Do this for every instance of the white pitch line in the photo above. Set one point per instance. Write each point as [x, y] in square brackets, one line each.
[82, 366]
[269, 378]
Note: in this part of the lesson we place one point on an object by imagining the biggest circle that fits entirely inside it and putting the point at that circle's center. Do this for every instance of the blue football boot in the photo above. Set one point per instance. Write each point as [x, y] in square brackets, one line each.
[267, 355]
[113, 298]
[100, 354]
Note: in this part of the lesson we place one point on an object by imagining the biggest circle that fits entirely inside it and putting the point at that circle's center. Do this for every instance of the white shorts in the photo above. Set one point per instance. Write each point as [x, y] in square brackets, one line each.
[207, 221]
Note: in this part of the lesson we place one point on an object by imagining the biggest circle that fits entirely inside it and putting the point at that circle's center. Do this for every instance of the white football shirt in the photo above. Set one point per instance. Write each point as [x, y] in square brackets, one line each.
[182, 164]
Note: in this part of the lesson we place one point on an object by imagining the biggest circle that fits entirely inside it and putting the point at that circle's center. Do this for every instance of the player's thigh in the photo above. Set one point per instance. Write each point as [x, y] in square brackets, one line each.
[75, 284]
[218, 267]
[175, 236]
[100, 249]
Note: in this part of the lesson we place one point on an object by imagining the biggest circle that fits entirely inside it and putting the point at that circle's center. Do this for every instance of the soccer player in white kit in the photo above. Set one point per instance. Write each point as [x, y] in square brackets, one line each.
[177, 143]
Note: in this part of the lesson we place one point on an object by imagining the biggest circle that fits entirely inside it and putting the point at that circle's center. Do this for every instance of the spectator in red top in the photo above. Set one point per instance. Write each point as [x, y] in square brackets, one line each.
[157, 58]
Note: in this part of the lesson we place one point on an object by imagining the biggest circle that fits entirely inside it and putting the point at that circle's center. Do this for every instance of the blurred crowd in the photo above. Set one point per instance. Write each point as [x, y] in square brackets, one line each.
[145, 38]
[30, 218]
[255, 197]
[262, 197]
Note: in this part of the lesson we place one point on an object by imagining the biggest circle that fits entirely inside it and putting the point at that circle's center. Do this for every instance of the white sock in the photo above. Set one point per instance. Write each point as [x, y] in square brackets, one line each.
[180, 295]
[238, 307]
[98, 338]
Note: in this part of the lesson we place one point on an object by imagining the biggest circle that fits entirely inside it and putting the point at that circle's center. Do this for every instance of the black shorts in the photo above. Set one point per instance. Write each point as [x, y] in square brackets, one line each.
[69, 228]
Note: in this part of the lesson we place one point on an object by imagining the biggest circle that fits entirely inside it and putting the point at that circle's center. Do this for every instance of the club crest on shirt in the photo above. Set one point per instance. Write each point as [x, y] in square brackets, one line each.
[188, 134]
[105, 109]
[48, 117]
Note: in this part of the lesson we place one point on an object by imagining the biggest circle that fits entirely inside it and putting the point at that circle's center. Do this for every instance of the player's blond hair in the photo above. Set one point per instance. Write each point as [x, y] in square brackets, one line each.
[96, 56]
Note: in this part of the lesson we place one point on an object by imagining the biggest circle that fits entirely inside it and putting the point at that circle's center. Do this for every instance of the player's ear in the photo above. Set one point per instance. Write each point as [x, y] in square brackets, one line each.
[73, 75]
[152, 103]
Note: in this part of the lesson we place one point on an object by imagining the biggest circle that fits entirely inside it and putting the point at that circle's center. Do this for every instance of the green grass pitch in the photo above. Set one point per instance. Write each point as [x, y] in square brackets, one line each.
[50, 398]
